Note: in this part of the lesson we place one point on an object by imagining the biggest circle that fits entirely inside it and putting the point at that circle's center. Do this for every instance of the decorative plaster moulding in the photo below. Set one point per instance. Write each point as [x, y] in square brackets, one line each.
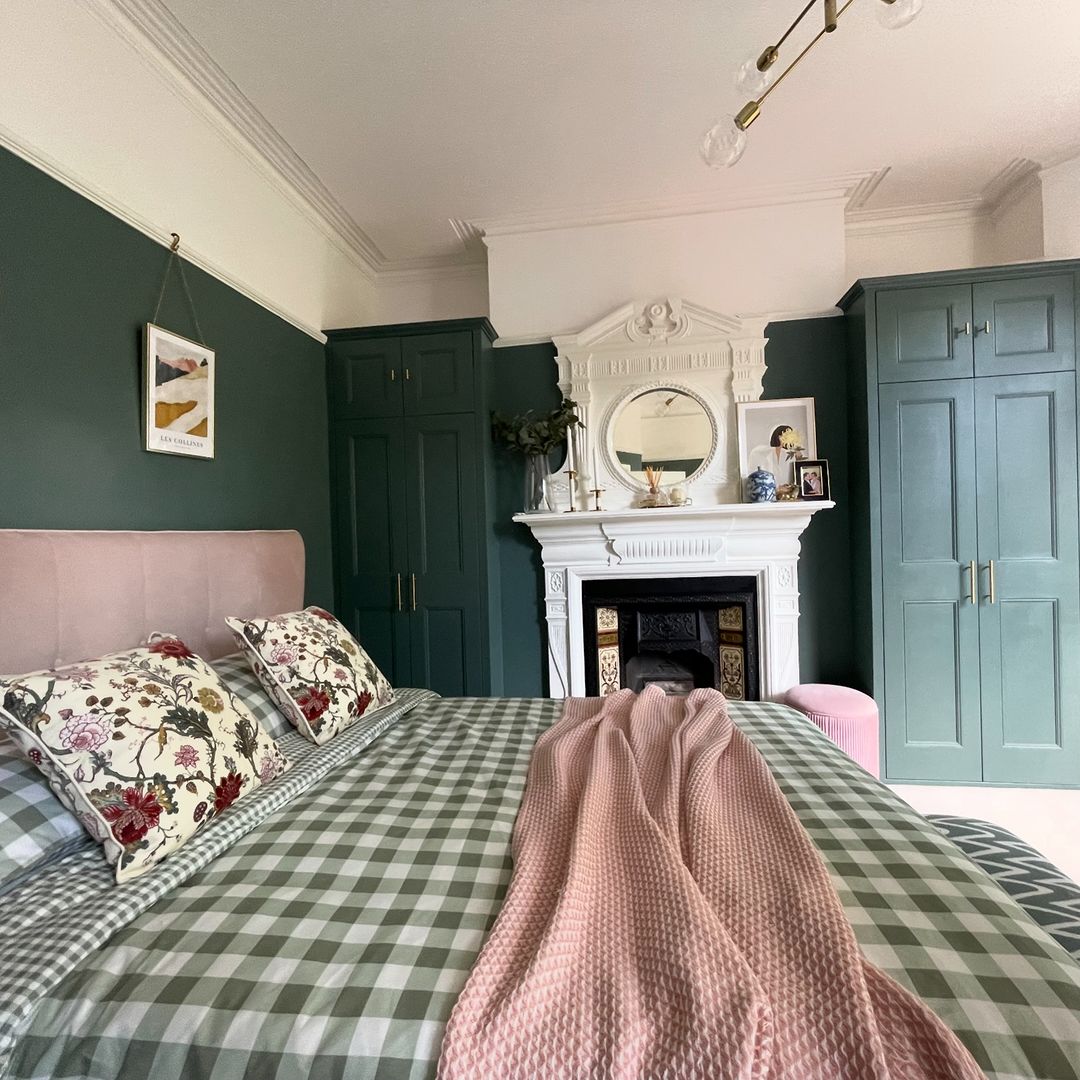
[163, 41]
[853, 188]
[718, 359]
[744, 539]
[1001, 191]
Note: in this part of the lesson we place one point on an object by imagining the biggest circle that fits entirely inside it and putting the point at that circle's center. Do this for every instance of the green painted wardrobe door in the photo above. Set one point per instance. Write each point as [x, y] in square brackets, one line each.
[445, 517]
[1030, 634]
[369, 474]
[1025, 325]
[439, 373]
[365, 378]
[931, 628]
[924, 333]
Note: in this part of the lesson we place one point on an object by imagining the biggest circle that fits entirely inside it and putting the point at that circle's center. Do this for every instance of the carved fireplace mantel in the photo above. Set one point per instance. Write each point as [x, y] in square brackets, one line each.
[759, 540]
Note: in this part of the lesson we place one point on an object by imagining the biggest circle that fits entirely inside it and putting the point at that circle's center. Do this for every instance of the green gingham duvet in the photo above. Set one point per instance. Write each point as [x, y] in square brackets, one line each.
[325, 929]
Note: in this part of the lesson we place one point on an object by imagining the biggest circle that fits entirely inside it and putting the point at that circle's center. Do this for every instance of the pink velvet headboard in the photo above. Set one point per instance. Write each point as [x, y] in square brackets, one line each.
[70, 596]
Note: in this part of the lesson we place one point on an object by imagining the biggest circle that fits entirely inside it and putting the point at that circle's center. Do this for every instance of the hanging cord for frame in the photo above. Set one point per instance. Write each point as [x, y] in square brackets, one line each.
[174, 256]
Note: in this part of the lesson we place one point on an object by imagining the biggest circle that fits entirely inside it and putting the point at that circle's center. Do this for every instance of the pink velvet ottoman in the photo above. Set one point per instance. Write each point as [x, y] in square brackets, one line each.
[849, 717]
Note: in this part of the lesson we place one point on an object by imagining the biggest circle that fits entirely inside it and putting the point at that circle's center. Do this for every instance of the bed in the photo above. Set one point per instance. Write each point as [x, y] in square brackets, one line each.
[323, 926]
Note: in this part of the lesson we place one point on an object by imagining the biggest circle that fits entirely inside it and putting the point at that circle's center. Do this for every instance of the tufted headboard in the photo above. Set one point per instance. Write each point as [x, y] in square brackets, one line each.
[70, 596]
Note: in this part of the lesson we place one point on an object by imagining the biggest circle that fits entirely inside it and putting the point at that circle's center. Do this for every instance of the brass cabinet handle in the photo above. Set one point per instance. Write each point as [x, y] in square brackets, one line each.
[399, 592]
[965, 329]
[408, 376]
[984, 329]
[393, 374]
[412, 589]
[974, 588]
[993, 583]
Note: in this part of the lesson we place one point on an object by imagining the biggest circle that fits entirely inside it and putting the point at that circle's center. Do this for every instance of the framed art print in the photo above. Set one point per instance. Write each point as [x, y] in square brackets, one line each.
[179, 394]
[812, 478]
[773, 435]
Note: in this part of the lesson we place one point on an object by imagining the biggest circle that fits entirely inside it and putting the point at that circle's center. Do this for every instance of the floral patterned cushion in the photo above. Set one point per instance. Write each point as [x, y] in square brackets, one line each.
[145, 747]
[314, 669]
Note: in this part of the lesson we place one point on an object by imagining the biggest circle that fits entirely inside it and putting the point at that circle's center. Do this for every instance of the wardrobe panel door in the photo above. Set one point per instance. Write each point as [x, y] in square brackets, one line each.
[438, 372]
[1030, 629]
[369, 466]
[931, 627]
[365, 378]
[924, 333]
[1025, 325]
[444, 554]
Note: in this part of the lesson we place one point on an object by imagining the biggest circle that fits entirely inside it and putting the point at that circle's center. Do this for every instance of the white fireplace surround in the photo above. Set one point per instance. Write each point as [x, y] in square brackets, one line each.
[720, 360]
[759, 540]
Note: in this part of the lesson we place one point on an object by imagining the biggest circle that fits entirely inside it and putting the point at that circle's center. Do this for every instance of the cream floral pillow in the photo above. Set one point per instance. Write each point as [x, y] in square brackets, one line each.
[145, 747]
[314, 670]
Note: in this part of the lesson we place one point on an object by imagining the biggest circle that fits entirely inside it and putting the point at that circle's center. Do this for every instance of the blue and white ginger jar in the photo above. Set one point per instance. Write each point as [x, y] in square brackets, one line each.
[761, 486]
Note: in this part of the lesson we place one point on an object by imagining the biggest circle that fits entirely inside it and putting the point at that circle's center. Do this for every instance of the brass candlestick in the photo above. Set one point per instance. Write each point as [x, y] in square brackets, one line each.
[572, 473]
[596, 493]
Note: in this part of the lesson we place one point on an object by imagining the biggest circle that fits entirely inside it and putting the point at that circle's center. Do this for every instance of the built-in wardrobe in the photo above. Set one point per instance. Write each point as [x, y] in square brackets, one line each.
[963, 457]
[413, 489]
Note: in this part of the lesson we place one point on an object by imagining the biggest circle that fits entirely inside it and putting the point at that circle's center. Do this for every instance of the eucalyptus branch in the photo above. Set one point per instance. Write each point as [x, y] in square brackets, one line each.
[536, 435]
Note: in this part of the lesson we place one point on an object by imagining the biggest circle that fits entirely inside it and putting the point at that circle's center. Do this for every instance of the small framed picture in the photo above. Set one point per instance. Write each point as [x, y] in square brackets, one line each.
[773, 435]
[179, 394]
[812, 478]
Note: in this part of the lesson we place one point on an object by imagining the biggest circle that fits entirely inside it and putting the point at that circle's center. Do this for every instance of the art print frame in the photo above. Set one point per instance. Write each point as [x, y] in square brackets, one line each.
[760, 435]
[178, 394]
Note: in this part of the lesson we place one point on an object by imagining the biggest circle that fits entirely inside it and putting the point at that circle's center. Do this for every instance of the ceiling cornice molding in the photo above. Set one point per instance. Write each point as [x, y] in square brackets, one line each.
[163, 42]
[1062, 157]
[834, 188]
[866, 187]
[19, 146]
[916, 217]
[470, 238]
[1001, 191]
[404, 271]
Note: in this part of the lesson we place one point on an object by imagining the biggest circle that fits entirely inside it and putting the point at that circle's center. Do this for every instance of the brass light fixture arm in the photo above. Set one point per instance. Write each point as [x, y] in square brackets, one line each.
[749, 112]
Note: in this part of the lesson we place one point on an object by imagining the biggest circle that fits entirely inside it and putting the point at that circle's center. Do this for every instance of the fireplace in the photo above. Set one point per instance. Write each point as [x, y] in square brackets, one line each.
[675, 633]
[726, 546]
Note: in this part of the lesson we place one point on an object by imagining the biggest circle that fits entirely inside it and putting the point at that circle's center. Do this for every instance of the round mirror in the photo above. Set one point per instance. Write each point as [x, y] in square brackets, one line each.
[666, 429]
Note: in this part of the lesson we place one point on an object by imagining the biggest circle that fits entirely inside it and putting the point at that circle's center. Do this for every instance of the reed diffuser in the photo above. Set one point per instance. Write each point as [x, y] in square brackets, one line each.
[656, 495]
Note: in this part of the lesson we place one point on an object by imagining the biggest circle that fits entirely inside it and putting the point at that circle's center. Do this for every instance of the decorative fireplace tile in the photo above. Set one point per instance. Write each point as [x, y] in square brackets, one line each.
[607, 650]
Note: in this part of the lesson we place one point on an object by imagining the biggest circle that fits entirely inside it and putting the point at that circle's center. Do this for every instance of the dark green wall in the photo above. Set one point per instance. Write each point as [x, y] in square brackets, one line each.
[525, 378]
[806, 359]
[76, 287]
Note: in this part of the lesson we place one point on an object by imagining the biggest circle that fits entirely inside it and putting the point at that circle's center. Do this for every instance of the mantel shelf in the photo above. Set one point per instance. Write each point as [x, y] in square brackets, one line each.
[763, 512]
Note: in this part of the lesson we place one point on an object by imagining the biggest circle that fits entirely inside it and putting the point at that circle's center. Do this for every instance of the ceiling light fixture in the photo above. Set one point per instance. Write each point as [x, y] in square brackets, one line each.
[723, 144]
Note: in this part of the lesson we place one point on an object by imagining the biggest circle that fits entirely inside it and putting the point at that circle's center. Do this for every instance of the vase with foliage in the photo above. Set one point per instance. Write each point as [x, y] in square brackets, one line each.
[536, 437]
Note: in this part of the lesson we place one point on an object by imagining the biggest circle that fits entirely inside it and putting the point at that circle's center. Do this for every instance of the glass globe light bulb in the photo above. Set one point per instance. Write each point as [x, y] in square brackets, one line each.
[750, 82]
[723, 144]
[899, 13]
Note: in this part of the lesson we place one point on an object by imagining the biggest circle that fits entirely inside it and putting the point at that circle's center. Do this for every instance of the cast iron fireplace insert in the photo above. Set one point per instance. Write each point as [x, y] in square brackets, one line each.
[677, 633]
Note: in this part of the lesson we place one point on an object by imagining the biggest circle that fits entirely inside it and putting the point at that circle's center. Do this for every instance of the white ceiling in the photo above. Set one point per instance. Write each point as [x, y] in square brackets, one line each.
[415, 112]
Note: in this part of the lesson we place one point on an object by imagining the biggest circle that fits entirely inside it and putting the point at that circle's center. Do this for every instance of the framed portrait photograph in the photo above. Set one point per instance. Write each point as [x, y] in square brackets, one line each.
[179, 395]
[812, 478]
[773, 435]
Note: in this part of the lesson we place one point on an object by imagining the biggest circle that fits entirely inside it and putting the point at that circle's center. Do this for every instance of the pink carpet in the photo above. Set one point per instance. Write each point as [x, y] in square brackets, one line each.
[669, 917]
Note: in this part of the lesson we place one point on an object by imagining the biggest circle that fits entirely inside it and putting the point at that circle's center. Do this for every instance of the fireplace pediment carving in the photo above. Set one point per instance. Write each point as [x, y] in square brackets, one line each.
[668, 345]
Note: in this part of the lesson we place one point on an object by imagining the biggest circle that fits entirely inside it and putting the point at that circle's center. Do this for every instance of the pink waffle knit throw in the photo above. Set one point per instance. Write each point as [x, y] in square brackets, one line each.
[668, 917]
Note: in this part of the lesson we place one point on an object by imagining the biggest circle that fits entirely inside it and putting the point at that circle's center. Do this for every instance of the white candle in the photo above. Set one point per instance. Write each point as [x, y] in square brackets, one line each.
[595, 469]
[570, 449]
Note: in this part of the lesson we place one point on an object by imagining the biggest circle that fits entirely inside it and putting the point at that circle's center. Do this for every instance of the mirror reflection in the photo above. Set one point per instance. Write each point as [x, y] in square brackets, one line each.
[665, 429]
